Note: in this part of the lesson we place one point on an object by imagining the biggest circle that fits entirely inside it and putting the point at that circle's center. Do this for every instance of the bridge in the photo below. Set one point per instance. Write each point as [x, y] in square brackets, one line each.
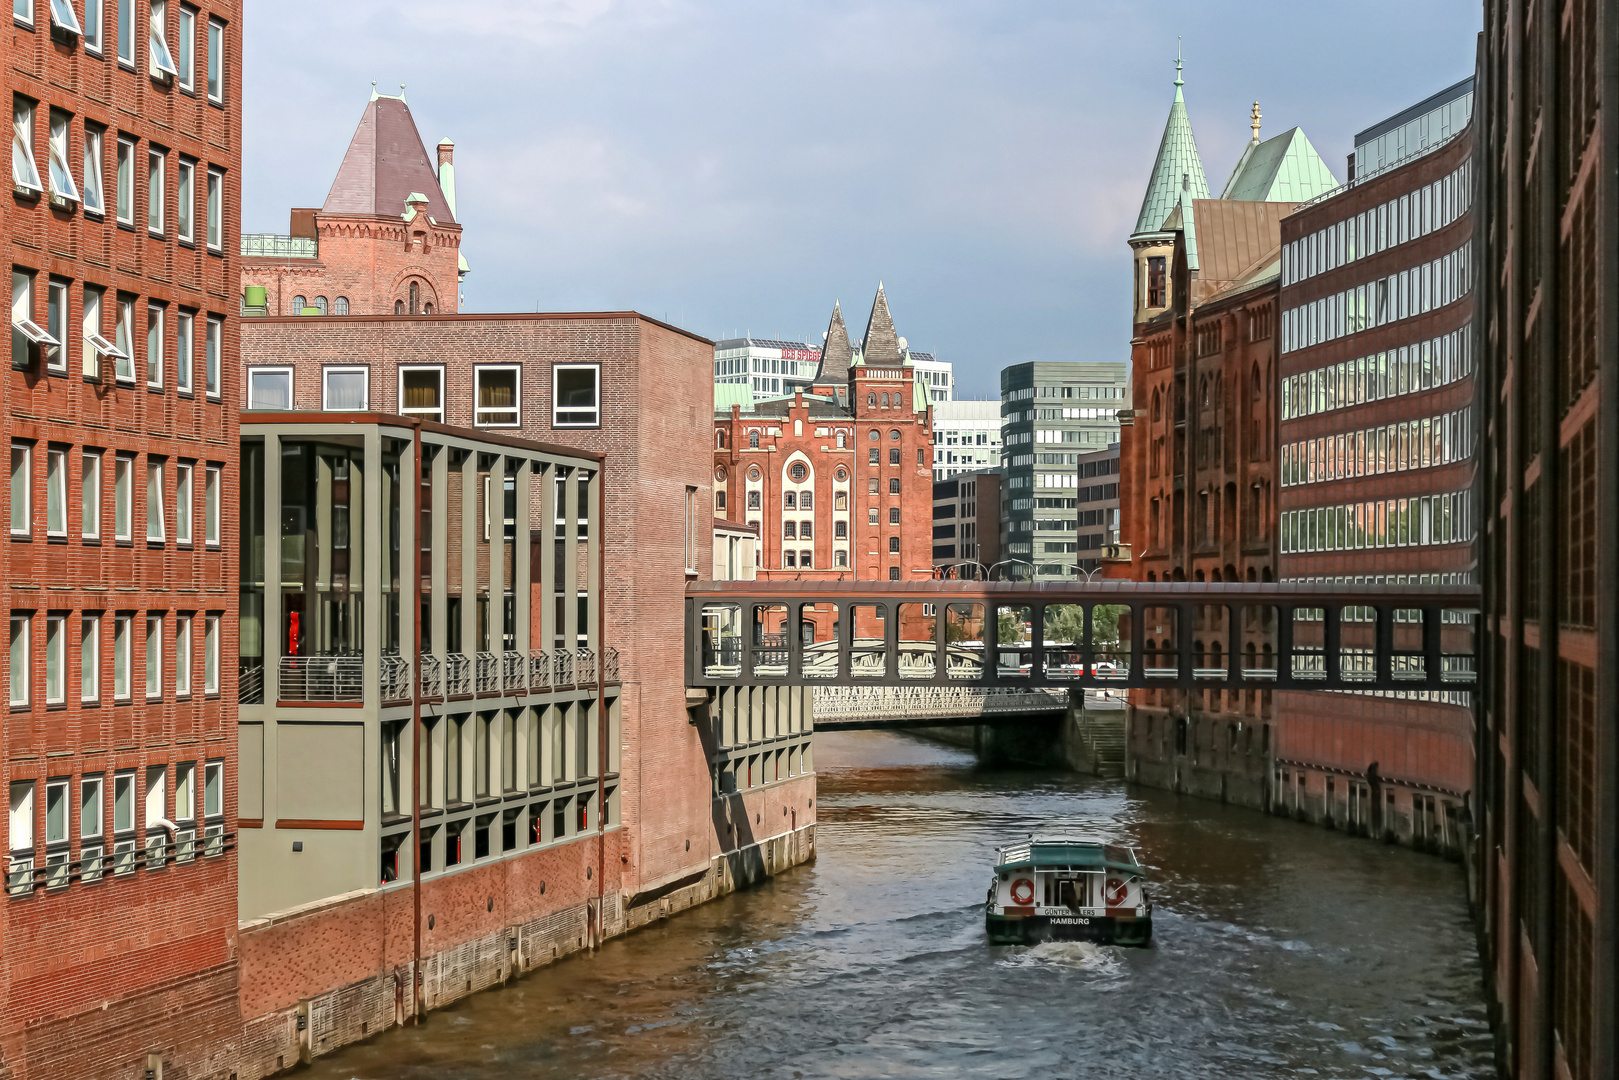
[1109, 635]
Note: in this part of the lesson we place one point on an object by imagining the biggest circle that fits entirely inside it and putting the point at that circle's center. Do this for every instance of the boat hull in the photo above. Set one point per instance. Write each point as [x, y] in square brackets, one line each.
[1101, 929]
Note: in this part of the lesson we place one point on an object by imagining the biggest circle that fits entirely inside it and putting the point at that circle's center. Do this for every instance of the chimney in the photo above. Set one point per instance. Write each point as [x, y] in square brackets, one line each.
[446, 153]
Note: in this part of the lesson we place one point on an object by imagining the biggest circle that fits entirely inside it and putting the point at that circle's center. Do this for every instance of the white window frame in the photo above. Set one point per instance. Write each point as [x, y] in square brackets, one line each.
[123, 651]
[557, 410]
[426, 414]
[185, 200]
[184, 501]
[185, 791]
[95, 143]
[185, 58]
[23, 328]
[216, 61]
[155, 801]
[213, 780]
[154, 656]
[93, 23]
[252, 375]
[216, 210]
[213, 342]
[57, 306]
[20, 823]
[517, 396]
[90, 495]
[123, 350]
[55, 659]
[92, 805]
[22, 464]
[124, 177]
[90, 657]
[185, 350]
[123, 497]
[156, 512]
[56, 492]
[22, 656]
[157, 179]
[210, 498]
[63, 189]
[326, 386]
[210, 654]
[126, 32]
[182, 655]
[24, 167]
[160, 58]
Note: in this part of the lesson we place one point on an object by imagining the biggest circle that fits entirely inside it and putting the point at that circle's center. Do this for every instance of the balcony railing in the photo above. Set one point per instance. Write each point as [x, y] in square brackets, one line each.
[322, 678]
[250, 685]
[561, 669]
[488, 673]
[276, 246]
[539, 670]
[610, 665]
[584, 666]
[457, 675]
[432, 676]
[514, 672]
[24, 873]
[395, 678]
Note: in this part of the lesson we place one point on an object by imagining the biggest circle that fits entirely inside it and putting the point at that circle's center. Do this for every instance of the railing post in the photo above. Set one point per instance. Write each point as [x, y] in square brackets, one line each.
[1332, 626]
[1087, 648]
[1233, 621]
[992, 641]
[941, 653]
[890, 643]
[1432, 649]
[845, 622]
[1137, 675]
[748, 614]
[1284, 644]
[1037, 644]
[795, 641]
[1186, 656]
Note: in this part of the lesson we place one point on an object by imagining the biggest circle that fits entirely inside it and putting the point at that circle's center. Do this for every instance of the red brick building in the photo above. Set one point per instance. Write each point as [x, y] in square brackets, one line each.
[839, 481]
[1376, 451]
[1197, 479]
[384, 242]
[118, 940]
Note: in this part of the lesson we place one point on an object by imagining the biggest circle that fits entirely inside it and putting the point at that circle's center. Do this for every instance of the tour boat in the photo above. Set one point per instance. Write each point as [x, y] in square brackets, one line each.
[1066, 889]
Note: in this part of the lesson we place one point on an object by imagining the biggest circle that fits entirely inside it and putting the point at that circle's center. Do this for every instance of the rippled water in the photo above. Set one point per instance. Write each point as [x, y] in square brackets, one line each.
[1278, 950]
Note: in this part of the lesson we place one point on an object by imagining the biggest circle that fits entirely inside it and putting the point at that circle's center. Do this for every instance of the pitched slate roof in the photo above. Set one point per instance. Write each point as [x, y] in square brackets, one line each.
[1177, 165]
[385, 162]
[1284, 168]
[881, 347]
[836, 352]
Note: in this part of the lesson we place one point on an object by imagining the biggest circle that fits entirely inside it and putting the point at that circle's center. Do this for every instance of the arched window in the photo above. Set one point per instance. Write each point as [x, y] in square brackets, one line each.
[871, 400]
[874, 434]
[415, 298]
[719, 440]
[428, 308]
[399, 307]
[753, 440]
[894, 435]
[298, 305]
[789, 500]
[840, 440]
[797, 471]
[1156, 406]
[340, 306]
[320, 304]
[885, 401]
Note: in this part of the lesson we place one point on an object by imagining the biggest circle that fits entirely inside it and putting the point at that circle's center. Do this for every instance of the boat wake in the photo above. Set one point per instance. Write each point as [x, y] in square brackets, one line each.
[1078, 955]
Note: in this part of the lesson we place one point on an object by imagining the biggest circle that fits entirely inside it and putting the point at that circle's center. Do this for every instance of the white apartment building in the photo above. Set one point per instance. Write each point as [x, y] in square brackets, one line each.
[966, 436]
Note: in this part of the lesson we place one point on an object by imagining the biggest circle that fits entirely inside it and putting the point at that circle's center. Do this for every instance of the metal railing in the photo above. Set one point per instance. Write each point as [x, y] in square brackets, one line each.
[457, 675]
[432, 676]
[276, 246]
[901, 703]
[514, 672]
[58, 870]
[321, 678]
[561, 669]
[250, 685]
[539, 670]
[584, 667]
[395, 677]
[488, 673]
[610, 665]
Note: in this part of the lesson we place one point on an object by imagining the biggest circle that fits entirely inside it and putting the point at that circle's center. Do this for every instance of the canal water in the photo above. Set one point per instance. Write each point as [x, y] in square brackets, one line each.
[1279, 950]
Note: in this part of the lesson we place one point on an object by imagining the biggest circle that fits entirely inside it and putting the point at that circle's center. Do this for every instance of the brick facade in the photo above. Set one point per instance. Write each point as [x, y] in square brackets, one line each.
[105, 967]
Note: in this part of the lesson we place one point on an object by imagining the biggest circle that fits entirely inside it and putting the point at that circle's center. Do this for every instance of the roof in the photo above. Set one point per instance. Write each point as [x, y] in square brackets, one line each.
[384, 164]
[728, 394]
[1236, 237]
[1284, 168]
[1426, 105]
[1177, 167]
[727, 525]
[881, 346]
[1063, 851]
[836, 351]
[763, 343]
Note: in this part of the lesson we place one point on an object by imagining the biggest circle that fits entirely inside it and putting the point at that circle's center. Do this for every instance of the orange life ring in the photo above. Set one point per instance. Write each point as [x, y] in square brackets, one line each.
[1023, 892]
[1116, 891]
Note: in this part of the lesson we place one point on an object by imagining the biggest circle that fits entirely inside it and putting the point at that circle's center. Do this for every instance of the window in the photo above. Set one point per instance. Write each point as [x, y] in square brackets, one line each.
[20, 654]
[182, 503]
[126, 31]
[216, 209]
[345, 389]
[893, 515]
[125, 180]
[185, 329]
[93, 138]
[92, 25]
[806, 558]
[576, 395]
[55, 659]
[692, 520]
[25, 333]
[185, 196]
[840, 558]
[154, 346]
[123, 497]
[185, 53]
[123, 802]
[162, 60]
[320, 304]
[91, 808]
[210, 499]
[90, 658]
[210, 655]
[213, 789]
[893, 573]
[157, 801]
[269, 388]
[155, 525]
[56, 492]
[211, 357]
[56, 327]
[24, 174]
[90, 495]
[21, 823]
[893, 545]
[805, 530]
[871, 516]
[124, 338]
[156, 161]
[872, 456]
[62, 185]
[182, 657]
[185, 791]
[123, 646]
[340, 306]
[421, 392]
[23, 11]
[22, 483]
[789, 530]
[495, 389]
[216, 60]
[840, 530]
[893, 486]
[893, 457]
[154, 656]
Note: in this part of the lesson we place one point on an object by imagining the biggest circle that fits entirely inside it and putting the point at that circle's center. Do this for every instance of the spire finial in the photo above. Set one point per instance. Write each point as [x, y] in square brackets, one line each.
[373, 89]
[401, 91]
[1179, 82]
[1255, 121]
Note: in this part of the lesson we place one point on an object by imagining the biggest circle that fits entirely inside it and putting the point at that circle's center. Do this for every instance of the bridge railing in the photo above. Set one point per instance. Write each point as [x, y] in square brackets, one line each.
[1104, 635]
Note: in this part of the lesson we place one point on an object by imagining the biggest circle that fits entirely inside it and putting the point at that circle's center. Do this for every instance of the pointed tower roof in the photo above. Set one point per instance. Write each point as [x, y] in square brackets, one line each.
[881, 347]
[835, 351]
[1285, 168]
[1177, 163]
[386, 162]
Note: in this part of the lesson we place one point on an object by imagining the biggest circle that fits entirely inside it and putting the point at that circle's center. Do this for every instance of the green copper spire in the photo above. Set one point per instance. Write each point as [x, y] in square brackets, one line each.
[1177, 168]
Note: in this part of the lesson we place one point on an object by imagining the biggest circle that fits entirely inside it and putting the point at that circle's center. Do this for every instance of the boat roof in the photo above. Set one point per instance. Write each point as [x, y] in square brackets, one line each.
[1054, 851]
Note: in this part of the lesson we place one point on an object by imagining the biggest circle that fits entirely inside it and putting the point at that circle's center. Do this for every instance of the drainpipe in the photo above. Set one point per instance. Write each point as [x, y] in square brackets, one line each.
[601, 695]
[416, 729]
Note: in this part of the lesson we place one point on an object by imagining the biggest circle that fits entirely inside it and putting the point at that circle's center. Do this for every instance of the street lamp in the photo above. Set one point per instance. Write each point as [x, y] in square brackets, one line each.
[1003, 562]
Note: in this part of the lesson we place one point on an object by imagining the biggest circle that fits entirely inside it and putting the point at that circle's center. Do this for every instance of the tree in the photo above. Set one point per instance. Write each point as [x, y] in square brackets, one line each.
[1009, 629]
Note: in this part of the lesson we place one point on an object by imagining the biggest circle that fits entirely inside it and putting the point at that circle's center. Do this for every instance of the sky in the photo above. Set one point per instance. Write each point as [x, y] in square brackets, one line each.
[735, 167]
